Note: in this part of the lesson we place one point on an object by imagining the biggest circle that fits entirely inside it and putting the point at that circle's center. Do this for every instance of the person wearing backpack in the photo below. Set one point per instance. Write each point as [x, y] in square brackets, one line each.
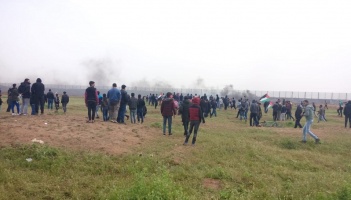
[24, 90]
[114, 98]
[14, 99]
[64, 101]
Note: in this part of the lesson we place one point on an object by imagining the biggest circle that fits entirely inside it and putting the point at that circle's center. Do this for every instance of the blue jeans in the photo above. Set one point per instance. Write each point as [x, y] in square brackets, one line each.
[307, 129]
[50, 103]
[13, 104]
[33, 109]
[105, 113]
[140, 114]
[121, 113]
[169, 119]
[132, 116]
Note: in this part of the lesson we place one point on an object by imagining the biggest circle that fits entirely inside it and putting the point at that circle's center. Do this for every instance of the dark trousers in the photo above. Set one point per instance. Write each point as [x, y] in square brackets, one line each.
[121, 113]
[186, 127]
[91, 110]
[297, 122]
[169, 120]
[347, 118]
[140, 114]
[39, 103]
[193, 125]
[275, 115]
[289, 116]
[105, 113]
[253, 116]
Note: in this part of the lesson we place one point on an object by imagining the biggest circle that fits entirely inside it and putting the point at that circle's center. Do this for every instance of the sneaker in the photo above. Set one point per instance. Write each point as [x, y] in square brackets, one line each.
[13, 113]
[164, 134]
[318, 141]
[185, 143]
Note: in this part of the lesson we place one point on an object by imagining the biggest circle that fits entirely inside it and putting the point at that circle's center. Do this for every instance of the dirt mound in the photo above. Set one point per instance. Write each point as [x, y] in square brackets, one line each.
[72, 132]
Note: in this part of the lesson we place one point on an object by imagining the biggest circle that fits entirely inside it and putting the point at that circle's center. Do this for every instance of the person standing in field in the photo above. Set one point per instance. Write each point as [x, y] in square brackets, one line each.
[98, 107]
[51, 97]
[64, 101]
[114, 98]
[38, 90]
[184, 111]
[123, 105]
[309, 114]
[253, 113]
[214, 107]
[133, 103]
[57, 102]
[195, 116]
[347, 113]
[0, 102]
[24, 90]
[283, 113]
[140, 109]
[14, 99]
[168, 111]
[275, 108]
[91, 100]
[104, 106]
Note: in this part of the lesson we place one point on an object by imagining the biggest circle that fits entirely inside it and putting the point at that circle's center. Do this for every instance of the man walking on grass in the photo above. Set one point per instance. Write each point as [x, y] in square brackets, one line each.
[309, 114]
[167, 111]
[195, 116]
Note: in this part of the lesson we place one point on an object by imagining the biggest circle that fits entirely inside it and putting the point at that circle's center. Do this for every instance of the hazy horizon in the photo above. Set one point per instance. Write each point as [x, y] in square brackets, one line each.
[256, 45]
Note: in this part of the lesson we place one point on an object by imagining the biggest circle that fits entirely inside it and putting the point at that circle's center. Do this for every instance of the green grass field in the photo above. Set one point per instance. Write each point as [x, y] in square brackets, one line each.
[230, 161]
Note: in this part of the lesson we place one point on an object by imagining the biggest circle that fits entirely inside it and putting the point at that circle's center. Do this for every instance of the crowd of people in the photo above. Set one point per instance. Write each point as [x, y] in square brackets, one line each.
[193, 109]
[33, 96]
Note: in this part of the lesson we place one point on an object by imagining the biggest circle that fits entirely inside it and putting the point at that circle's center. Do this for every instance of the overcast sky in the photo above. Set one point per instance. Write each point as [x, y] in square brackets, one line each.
[258, 45]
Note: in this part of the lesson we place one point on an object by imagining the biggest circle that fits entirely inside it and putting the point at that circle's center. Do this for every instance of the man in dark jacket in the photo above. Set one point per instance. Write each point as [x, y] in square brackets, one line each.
[37, 90]
[195, 115]
[167, 111]
[203, 106]
[184, 111]
[347, 113]
[214, 108]
[50, 97]
[64, 101]
[24, 90]
[123, 105]
[275, 111]
[14, 99]
[133, 103]
[298, 116]
[140, 109]
[254, 113]
[91, 100]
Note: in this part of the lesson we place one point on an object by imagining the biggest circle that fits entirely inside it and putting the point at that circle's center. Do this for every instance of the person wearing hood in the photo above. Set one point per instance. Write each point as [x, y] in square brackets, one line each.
[14, 99]
[309, 114]
[254, 110]
[298, 116]
[184, 111]
[195, 116]
[24, 90]
[38, 90]
[167, 111]
[347, 113]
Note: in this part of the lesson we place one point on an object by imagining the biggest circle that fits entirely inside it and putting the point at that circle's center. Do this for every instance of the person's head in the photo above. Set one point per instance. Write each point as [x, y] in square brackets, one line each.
[305, 102]
[91, 83]
[114, 85]
[64, 92]
[14, 85]
[320, 106]
[49, 90]
[56, 94]
[139, 96]
[123, 87]
[38, 80]
[26, 80]
[253, 101]
[104, 95]
[132, 94]
[196, 101]
[169, 95]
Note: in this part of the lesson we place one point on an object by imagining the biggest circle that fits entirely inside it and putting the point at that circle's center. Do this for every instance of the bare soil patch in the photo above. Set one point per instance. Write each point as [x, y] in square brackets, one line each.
[72, 132]
[210, 183]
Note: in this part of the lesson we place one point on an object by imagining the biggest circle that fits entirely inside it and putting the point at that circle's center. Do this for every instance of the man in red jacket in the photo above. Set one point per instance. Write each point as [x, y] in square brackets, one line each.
[196, 116]
[168, 110]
